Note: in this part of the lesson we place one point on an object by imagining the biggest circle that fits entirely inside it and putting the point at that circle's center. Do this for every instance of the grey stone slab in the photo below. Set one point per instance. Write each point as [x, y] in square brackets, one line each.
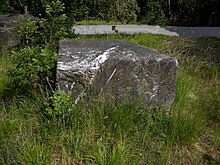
[8, 29]
[116, 69]
[11, 21]
[127, 29]
[195, 31]
[132, 29]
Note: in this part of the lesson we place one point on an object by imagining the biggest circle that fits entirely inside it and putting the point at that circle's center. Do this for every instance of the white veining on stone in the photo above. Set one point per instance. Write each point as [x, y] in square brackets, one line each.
[72, 85]
[156, 87]
[159, 59]
[88, 62]
[102, 58]
[177, 63]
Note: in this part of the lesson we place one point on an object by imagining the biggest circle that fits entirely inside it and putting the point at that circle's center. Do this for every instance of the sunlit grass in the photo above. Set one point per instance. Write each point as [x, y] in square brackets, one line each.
[5, 65]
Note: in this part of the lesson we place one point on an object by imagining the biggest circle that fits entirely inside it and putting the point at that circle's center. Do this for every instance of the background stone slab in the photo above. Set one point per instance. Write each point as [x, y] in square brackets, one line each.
[8, 29]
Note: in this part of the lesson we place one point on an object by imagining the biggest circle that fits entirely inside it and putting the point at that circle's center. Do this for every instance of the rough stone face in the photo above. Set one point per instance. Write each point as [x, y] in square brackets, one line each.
[8, 38]
[9, 26]
[118, 69]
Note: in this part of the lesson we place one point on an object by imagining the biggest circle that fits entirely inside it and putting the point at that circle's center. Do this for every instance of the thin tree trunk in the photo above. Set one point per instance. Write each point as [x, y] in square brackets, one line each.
[169, 7]
[25, 10]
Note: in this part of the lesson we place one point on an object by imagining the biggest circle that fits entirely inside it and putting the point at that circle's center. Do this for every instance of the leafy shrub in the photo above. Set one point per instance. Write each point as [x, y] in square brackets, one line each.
[77, 10]
[154, 14]
[28, 33]
[49, 30]
[125, 11]
[60, 104]
[5, 7]
[32, 66]
[53, 26]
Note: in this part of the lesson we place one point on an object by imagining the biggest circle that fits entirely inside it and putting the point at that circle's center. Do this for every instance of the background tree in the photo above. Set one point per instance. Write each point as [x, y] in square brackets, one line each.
[160, 12]
[153, 12]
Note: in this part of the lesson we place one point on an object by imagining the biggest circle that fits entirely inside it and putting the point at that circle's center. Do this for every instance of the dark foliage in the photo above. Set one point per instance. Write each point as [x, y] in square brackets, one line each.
[168, 12]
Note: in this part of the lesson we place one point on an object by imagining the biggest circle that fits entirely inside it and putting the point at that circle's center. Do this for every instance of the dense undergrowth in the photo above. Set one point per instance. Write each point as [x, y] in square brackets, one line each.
[38, 129]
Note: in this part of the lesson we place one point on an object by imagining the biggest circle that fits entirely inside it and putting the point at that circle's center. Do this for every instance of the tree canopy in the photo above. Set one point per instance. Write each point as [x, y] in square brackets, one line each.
[160, 12]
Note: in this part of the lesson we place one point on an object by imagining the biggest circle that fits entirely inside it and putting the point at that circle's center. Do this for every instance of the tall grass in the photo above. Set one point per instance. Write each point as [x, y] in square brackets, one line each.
[33, 130]
[5, 65]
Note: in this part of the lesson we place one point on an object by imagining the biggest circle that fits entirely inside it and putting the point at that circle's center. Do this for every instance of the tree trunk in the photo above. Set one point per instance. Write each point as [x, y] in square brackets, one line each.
[25, 10]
